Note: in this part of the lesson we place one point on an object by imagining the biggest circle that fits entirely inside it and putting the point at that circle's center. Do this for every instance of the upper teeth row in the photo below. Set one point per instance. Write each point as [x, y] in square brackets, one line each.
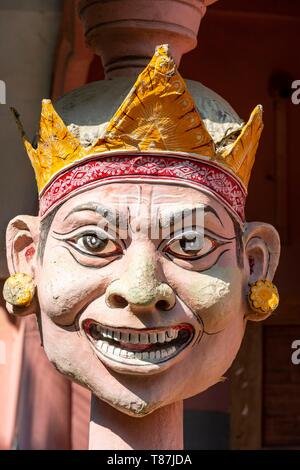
[139, 338]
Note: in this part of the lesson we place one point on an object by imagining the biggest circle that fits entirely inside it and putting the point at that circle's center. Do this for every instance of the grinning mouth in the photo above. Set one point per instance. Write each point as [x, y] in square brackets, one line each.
[141, 346]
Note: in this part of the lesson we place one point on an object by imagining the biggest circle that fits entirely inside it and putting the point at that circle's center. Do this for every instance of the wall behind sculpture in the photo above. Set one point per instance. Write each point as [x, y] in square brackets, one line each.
[26, 66]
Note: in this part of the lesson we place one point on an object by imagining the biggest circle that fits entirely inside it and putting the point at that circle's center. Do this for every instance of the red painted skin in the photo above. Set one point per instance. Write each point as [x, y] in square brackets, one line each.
[29, 253]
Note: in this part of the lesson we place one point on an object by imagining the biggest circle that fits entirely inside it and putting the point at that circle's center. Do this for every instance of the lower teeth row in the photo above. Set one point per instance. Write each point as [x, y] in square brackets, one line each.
[104, 347]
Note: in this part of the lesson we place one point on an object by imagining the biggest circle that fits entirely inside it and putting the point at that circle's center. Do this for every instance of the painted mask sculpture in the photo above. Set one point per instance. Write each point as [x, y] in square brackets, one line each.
[144, 317]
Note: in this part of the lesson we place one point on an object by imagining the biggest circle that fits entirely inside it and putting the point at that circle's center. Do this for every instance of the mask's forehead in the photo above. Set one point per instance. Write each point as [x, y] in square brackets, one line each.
[148, 202]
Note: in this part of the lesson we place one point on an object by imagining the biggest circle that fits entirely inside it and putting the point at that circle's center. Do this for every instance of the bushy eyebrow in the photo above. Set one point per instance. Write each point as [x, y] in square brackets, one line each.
[209, 209]
[46, 223]
[177, 215]
[108, 214]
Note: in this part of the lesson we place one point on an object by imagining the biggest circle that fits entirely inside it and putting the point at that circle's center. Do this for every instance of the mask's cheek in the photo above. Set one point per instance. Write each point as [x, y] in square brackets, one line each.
[65, 287]
[214, 296]
[62, 349]
[213, 356]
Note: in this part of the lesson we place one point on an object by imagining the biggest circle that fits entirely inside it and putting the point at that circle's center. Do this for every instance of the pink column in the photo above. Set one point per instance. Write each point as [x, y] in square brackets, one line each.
[11, 348]
[111, 429]
[45, 405]
[124, 33]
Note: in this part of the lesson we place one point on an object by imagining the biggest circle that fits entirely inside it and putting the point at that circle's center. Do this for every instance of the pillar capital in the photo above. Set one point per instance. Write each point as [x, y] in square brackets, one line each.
[124, 33]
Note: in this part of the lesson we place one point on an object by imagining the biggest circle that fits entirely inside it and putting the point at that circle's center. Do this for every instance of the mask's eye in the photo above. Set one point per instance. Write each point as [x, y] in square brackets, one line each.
[96, 243]
[191, 245]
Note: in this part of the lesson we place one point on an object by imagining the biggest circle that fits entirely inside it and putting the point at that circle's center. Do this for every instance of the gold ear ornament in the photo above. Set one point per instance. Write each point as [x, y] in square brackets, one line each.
[263, 297]
[19, 290]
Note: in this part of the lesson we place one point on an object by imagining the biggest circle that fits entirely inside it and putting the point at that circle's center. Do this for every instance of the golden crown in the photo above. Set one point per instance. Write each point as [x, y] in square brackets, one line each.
[158, 115]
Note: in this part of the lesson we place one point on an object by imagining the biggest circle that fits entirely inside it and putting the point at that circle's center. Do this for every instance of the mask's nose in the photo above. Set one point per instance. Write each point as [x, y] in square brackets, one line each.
[139, 286]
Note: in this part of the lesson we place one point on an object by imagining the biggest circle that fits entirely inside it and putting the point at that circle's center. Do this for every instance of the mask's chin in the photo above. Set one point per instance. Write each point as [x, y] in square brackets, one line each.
[139, 351]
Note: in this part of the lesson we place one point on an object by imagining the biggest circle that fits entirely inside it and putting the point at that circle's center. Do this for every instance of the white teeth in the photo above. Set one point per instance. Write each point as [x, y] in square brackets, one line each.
[171, 334]
[161, 337]
[107, 333]
[109, 342]
[125, 337]
[133, 357]
[144, 338]
[110, 334]
[117, 335]
[153, 338]
[134, 338]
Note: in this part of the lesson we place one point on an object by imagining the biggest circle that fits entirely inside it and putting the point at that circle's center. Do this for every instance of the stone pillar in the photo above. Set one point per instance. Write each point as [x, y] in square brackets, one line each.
[124, 33]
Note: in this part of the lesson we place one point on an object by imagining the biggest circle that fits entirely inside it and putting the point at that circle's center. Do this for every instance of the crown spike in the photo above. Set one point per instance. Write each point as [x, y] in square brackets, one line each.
[159, 113]
[32, 153]
[240, 155]
[18, 121]
[57, 147]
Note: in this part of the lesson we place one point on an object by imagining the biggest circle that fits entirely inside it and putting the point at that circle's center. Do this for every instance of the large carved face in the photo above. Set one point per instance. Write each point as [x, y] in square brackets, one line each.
[142, 319]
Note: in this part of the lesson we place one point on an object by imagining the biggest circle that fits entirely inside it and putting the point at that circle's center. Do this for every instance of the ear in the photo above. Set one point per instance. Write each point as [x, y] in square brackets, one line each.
[22, 238]
[262, 251]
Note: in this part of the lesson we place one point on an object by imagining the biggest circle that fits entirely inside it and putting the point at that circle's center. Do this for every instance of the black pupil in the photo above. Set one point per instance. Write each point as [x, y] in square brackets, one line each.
[191, 243]
[92, 242]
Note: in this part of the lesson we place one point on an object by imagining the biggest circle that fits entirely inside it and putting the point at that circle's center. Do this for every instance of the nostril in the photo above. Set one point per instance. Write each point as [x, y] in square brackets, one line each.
[163, 305]
[117, 301]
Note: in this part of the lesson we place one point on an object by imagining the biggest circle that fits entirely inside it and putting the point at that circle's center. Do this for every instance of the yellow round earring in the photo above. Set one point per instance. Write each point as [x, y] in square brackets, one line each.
[19, 290]
[263, 296]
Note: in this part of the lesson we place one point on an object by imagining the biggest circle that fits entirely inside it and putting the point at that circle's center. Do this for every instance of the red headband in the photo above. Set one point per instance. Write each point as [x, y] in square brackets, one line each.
[157, 168]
